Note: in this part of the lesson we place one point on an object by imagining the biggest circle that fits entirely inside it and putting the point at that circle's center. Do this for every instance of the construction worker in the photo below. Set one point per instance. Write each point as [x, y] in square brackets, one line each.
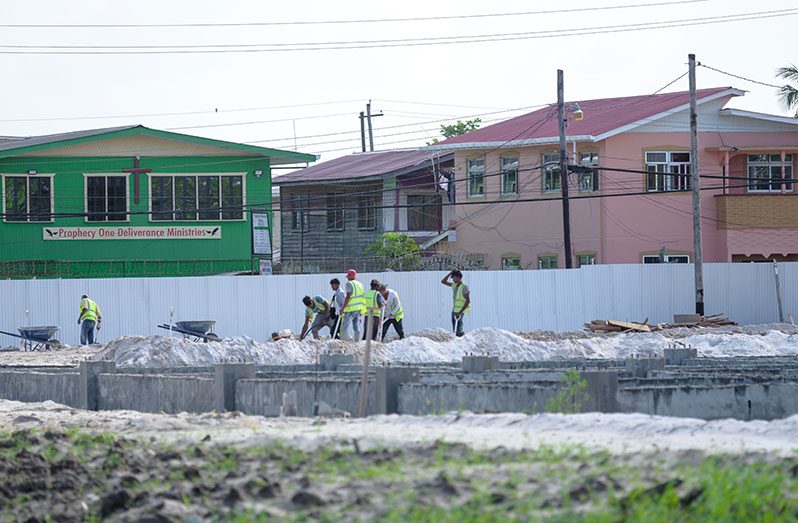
[90, 316]
[337, 304]
[353, 306]
[393, 312]
[374, 304]
[461, 298]
[319, 307]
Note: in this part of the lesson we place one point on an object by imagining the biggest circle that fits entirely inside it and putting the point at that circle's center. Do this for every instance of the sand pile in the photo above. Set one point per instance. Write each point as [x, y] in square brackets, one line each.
[438, 345]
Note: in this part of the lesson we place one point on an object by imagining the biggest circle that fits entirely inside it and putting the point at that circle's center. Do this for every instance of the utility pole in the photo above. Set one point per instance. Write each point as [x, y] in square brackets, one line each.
[366, 117]
[566, 207]
[363, 131]
[695, 182]
[371, 131]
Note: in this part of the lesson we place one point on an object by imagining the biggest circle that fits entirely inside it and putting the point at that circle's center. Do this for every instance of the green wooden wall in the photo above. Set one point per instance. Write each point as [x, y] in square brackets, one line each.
[24, 253]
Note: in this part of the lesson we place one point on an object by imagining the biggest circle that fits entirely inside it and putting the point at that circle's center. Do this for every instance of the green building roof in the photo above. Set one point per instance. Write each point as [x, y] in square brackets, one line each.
[11, 146]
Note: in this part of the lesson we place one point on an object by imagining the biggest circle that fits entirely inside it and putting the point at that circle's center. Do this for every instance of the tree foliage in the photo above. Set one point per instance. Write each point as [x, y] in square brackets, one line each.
[400, 249]
[458, 128]
[788, 94]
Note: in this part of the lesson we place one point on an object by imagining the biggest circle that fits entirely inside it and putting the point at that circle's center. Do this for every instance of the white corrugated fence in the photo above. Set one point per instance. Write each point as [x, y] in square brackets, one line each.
[513, 300]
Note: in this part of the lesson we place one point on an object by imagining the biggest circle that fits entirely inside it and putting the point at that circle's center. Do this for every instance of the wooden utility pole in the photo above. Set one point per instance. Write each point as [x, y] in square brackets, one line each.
[778, 290]
[363, 131]
[364, 381]
[696, 186]
[371, 130]
[566, 207]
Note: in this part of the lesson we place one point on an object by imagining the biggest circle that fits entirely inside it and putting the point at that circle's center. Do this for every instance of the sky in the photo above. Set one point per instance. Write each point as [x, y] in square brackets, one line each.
[309, 100]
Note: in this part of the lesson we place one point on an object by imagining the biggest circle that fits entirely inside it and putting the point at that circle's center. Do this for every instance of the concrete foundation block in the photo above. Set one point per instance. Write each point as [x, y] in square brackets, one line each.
[602, 390]
[480, 363]
[88, 388]
[640, 367]
[224, 386]
[686, 318]
[331, 362]
[679, 355]
[387, 382]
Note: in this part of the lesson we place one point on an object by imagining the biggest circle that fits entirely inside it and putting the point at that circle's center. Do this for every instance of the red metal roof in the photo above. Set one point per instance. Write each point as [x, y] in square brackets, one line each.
[364, 165]
[601, 115]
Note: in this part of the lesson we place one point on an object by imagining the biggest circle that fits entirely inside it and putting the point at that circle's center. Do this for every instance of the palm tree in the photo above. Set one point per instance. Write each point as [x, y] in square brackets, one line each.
[787, 93]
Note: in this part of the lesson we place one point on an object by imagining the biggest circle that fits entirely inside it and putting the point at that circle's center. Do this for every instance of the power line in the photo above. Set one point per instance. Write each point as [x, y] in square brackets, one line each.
[739, 77]
[385, 43]
[270, 206]
[183, 113]
[358, 21]
[205, 126]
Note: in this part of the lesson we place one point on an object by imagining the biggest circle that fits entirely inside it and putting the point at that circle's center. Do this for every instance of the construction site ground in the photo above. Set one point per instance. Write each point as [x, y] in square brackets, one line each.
[130, 466]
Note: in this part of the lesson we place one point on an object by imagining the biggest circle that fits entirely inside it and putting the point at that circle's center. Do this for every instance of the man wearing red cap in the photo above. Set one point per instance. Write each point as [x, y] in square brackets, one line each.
[354, 306]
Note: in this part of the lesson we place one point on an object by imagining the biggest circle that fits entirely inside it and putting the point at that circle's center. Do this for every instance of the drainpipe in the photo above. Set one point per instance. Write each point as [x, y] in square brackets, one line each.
[783, 184]
[725, 169]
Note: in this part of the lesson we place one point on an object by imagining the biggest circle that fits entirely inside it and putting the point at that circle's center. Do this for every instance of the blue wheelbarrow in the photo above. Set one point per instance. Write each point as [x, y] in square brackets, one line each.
[37, 338]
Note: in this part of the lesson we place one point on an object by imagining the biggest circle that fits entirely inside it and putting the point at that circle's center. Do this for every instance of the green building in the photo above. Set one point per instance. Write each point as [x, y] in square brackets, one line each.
[133, 201]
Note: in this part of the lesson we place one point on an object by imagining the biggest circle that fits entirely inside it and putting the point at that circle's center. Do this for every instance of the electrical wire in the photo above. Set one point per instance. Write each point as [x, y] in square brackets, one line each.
[183, 113]
[385, 43]
[357, 21]
[739, 77]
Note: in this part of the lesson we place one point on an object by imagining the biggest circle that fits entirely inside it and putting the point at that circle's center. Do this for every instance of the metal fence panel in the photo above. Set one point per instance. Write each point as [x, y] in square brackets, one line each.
[514, 300]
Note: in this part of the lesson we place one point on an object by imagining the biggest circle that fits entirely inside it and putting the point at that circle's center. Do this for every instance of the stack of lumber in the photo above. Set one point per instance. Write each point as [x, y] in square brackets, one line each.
[600, 326]
[717, 320]
[619, 326]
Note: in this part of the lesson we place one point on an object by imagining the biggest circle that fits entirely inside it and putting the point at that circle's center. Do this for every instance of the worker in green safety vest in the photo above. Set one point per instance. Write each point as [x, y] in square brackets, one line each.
[354, 306]
[374, 303]
[89, 318]
[461, 298]
[318, 310]
[393, 312]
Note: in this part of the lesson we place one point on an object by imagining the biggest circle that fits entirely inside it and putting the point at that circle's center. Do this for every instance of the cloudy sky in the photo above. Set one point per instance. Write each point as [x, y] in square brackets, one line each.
[290, 83]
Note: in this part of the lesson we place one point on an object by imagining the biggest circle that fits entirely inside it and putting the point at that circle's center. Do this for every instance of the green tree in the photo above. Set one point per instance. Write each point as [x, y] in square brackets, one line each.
[399, 249]
[788, 94]
[458, 128]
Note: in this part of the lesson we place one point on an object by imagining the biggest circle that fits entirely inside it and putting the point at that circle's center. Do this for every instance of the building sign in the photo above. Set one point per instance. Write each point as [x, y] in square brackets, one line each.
[211, 232]
[261, 236]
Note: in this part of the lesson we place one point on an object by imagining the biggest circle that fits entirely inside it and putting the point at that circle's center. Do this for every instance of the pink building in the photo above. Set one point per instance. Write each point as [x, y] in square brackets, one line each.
[506, 172]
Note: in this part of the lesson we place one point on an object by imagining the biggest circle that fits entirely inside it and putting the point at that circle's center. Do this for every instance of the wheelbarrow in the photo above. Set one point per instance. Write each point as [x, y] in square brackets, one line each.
[196, 329]
[37, 338]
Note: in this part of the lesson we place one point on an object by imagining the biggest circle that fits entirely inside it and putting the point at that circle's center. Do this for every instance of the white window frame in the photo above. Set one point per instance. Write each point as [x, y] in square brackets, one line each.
[588, 182]
[508, 258]
[668, 172]
[470, 178]
[152, 175]
[548, 257]
[591, 256]
[769, 165]
[654, 258]
[338, 200]
[86, 176]
[27, 189]
[304, 215]
[374, 201]
[505, 172]
[547, 165]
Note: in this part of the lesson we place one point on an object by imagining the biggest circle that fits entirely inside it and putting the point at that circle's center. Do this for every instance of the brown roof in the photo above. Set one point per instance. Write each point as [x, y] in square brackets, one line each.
[377, 164]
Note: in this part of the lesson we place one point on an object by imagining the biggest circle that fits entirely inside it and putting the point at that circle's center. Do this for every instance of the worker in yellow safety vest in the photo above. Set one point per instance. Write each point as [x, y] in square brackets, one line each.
[89, 318]
[374, 303]
[320, 308]
[354, 306]
[461, 298]
[393, 312]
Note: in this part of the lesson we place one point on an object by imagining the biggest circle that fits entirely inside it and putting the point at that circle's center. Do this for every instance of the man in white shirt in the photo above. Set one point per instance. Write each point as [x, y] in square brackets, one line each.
[393, 312]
